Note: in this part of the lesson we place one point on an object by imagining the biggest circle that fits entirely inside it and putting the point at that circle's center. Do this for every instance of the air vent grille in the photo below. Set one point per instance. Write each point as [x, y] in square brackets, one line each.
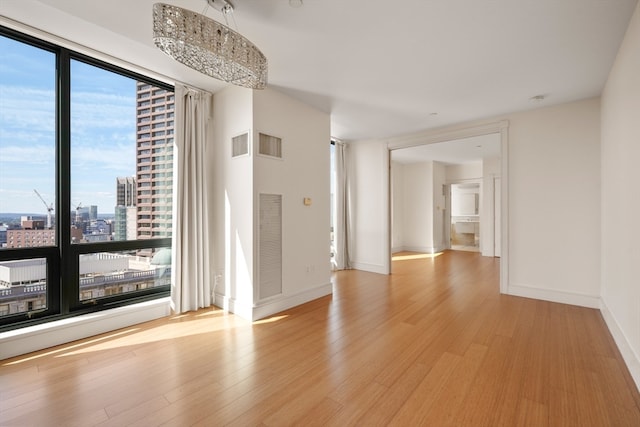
[240, 145]
[270, 146]
[270, 249]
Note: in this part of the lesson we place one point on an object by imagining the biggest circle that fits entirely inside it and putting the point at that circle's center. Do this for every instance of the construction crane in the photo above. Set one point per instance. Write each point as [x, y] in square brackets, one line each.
[49, 208]
[78, 212]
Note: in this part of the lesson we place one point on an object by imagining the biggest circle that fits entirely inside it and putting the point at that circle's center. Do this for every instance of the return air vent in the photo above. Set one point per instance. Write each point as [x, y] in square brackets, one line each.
[270, 146]
[270, 246]
[240, 145]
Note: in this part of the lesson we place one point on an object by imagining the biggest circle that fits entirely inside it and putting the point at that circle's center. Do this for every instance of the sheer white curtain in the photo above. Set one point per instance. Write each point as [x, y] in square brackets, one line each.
[343, 205]
[191, 252]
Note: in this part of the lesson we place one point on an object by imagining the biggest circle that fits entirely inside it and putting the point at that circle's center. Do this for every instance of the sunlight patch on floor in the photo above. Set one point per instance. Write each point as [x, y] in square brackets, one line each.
[270, 319]
[414, 256]
[65, 349]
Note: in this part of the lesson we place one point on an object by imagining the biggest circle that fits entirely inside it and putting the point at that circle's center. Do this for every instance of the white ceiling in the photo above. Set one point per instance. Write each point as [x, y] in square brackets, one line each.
[381, 68]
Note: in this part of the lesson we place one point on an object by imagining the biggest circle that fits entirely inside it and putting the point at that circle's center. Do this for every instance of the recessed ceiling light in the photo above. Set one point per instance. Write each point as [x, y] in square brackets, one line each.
[295, 3]
[538, 98]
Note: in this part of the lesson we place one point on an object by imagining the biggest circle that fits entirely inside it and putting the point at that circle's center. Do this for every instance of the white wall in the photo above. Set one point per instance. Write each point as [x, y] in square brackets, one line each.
[368, 165]
[490, 170]
[554, 202]
[232, 202]
[621, 198]
[438, 207]
[397, 207]
[417, 206]
[302, 172]
[464, 172]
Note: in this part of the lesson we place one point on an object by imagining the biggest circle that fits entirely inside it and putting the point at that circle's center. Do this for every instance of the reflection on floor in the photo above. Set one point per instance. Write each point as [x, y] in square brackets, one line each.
[404, 256]
[465, 248]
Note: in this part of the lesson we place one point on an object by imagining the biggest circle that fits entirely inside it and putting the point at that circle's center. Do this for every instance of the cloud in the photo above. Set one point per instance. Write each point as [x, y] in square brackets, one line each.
[27, 154]
[94, 111]
[118, 158]
[26, 109]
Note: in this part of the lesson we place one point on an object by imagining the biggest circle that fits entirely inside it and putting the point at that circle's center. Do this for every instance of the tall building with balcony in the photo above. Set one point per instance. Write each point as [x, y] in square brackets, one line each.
[154, 161]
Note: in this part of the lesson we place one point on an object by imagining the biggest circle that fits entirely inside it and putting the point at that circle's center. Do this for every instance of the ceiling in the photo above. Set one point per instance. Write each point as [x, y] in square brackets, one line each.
[456, 152]
[380, 68]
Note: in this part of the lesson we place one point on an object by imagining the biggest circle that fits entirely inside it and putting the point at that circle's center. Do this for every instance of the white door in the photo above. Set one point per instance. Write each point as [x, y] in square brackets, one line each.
[497, 213]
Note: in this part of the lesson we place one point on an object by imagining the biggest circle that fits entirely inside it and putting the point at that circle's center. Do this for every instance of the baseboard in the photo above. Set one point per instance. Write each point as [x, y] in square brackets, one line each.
[631, 359]
[573, 298]
[372, 268]
[38, 337]
[273, 305]
[421, 249]
[232, 305]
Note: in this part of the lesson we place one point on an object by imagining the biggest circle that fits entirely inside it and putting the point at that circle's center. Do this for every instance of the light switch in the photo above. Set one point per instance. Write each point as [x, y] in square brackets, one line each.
[307, 201]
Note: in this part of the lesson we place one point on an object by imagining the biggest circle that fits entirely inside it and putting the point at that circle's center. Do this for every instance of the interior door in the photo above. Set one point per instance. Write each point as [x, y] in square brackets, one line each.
[446, 223]
[497, 214]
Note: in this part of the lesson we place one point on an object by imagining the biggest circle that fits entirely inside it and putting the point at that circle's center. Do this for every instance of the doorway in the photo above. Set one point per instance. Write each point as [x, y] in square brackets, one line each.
[441, 195]
[464, 217]
[491, 173]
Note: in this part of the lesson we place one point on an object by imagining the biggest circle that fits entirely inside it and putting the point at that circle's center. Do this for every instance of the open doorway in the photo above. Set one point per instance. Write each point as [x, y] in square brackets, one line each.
[446, 195]
[464, 216]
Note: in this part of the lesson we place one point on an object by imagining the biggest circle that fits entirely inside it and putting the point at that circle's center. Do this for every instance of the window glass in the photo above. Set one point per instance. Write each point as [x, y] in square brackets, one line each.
[27, 143]
[108, 148]
[27, 172]
[107, 274]
[23, 286]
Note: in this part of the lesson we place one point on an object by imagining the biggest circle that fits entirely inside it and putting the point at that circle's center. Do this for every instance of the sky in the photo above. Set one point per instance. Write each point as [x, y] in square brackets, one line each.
[103, 131]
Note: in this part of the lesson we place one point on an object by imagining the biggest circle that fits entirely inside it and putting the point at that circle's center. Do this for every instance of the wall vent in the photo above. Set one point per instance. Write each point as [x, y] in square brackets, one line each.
[270, 146]
[270, 246]
[240, 145]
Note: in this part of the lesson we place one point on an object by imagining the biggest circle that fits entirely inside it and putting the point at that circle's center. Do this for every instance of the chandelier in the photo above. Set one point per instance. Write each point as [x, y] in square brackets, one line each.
[208, 46]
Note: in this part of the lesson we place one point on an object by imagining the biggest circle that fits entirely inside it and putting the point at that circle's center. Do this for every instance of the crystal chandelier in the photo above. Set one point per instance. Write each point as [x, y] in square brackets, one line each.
[208, 46]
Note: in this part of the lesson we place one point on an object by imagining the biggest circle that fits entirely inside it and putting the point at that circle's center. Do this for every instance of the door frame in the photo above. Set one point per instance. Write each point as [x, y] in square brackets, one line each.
[449, 134]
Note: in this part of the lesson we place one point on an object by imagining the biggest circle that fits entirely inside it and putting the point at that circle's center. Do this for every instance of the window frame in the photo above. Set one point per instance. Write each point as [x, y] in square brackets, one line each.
[63, 278]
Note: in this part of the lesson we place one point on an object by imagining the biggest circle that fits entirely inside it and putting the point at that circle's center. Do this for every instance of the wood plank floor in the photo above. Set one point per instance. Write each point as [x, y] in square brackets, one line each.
[433, 344]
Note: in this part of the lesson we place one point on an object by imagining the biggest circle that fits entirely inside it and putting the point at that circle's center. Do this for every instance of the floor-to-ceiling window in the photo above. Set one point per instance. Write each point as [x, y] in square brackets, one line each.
[86, 154]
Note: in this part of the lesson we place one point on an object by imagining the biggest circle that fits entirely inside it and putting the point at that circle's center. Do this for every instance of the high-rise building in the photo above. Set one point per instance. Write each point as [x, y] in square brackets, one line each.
[125, 221]
[126, 191]
[154, 161]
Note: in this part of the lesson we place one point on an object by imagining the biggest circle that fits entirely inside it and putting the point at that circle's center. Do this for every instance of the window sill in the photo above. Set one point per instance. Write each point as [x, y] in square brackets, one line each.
[32, 338]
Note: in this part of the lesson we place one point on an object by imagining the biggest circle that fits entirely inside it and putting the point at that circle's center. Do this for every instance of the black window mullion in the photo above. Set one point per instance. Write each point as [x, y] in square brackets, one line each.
[64, 183]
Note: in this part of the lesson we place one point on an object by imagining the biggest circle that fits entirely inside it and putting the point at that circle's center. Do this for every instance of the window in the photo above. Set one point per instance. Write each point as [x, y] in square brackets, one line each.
[76, 123]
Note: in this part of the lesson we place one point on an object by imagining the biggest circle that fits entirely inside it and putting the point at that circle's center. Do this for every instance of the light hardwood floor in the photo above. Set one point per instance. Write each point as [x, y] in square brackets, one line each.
[433, 344]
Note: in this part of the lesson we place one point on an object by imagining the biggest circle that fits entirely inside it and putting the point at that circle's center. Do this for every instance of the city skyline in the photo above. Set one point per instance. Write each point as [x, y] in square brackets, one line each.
[103, 121]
